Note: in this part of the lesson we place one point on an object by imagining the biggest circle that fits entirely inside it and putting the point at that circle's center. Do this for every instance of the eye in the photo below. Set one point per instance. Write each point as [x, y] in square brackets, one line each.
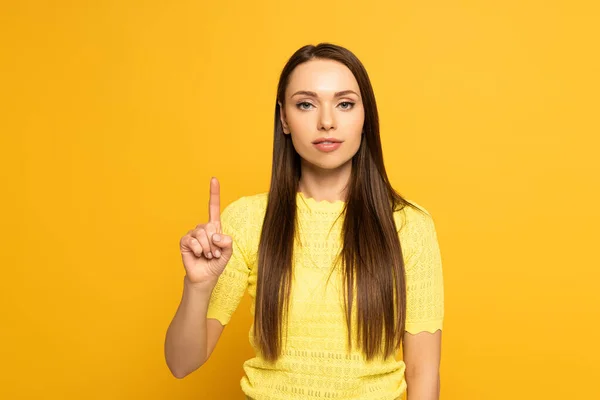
[350, 105]
[299, 105]
[305, 105]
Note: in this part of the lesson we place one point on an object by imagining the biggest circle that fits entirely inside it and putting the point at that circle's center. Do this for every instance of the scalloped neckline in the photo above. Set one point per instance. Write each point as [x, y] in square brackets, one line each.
[325, 205]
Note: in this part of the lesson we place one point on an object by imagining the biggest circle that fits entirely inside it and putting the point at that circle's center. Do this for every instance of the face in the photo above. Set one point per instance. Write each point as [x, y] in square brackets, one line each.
[324, 113]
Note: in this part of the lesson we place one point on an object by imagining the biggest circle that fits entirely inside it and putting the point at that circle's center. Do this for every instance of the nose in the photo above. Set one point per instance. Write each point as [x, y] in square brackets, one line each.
[326, 119]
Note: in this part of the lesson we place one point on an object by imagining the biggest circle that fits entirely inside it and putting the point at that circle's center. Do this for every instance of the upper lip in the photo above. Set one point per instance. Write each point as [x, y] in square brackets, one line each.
[324, 139]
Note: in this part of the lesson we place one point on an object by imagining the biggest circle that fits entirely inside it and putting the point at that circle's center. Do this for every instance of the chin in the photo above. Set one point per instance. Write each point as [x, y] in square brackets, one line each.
[330, 164]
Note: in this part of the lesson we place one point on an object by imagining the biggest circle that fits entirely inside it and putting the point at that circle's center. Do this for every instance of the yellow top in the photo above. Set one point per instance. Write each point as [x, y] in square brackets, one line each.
[314, 363]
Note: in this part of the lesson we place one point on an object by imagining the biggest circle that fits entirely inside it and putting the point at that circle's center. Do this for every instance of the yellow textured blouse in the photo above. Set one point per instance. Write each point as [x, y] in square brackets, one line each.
[314, 363]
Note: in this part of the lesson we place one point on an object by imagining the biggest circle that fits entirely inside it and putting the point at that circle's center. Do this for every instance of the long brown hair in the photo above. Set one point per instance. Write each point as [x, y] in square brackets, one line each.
[373, 264]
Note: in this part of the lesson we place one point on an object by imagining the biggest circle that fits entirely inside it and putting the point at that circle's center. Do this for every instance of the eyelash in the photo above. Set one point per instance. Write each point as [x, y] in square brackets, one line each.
[343, 102]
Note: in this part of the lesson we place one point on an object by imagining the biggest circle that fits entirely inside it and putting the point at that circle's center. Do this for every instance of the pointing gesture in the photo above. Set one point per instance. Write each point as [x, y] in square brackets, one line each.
[214, 203]
[206, 250]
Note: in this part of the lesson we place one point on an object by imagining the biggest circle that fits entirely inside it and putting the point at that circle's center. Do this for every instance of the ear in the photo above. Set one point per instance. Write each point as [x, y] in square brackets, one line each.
[282, 116]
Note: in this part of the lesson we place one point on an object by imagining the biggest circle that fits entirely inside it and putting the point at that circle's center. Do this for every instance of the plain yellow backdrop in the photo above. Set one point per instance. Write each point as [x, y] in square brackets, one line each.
[115, 114]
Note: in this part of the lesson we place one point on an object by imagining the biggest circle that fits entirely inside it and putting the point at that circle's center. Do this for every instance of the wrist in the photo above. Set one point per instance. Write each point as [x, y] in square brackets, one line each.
[203, 287]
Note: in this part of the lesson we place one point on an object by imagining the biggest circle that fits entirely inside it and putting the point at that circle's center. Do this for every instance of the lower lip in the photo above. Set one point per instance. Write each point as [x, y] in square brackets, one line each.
[327, 147]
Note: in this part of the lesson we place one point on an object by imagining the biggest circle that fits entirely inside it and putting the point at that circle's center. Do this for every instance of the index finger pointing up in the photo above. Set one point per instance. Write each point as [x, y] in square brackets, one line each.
[214, 202]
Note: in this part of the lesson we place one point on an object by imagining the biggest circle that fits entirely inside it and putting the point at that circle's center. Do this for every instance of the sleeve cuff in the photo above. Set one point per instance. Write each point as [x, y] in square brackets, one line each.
[425, 326]
[220, 316]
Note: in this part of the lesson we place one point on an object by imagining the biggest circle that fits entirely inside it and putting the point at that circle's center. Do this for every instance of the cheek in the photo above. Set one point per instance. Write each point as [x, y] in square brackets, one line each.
[354, 145]
[298, 120]
[358, 120]
[302, 146]
[355, 118]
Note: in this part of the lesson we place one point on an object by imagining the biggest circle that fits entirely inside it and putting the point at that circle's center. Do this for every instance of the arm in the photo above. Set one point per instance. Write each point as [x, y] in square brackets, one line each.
[424, 308]
[212, 290]
[206, 309]
[422, 353]
[191, 337]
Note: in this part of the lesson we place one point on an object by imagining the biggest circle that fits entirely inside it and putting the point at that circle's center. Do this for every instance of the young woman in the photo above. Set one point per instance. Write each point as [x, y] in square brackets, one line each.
[341, 269]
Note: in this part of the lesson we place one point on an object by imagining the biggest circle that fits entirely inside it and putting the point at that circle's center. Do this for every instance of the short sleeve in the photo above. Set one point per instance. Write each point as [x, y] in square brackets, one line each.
[424, 277]
[232, 283]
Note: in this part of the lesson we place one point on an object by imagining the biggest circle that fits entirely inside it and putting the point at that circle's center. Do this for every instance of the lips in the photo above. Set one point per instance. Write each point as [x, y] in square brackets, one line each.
[327, 147]
[330, 140]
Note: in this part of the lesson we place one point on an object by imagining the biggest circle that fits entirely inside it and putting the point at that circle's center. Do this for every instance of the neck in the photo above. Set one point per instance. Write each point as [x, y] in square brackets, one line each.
[325, 184]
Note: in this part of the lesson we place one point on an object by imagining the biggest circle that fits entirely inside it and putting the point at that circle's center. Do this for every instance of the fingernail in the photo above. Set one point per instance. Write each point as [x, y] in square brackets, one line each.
[216, 237]
[209, 254]
[217, 253]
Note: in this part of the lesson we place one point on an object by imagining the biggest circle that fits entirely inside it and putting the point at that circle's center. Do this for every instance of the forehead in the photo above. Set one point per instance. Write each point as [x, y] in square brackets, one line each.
[323, 77]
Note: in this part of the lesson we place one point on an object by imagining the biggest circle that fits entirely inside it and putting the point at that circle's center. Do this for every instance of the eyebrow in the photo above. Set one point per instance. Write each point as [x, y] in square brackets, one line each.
[336, 94]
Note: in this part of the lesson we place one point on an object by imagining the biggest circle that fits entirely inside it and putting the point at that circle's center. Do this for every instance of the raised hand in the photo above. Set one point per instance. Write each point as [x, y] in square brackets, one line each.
[206, 250]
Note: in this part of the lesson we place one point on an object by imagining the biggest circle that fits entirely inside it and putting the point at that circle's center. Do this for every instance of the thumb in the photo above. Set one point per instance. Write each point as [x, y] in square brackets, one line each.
[224, 242]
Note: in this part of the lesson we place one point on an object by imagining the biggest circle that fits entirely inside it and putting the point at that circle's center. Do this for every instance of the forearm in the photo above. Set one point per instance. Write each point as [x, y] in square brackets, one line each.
[423, 386]
[185, 342]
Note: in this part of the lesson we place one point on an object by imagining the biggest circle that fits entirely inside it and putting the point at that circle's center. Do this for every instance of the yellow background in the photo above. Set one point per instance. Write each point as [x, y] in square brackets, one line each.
[115, 114]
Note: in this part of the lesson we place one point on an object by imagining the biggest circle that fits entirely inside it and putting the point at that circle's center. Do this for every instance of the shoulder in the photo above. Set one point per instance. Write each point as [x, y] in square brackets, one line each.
[249, 203]
[245, 210]
[412, 216]
[416, 228]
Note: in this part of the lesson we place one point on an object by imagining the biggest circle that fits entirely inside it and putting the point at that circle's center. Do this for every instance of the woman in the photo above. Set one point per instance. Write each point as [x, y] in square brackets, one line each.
[341, 269]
